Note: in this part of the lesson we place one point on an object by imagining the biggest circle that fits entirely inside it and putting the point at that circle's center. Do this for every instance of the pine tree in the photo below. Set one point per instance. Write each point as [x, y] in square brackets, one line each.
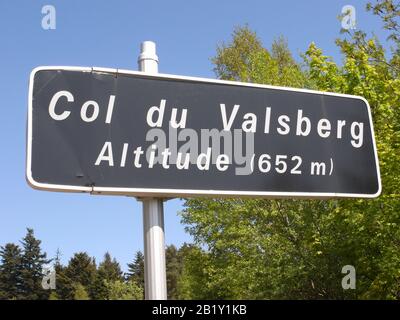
[33, 261]
[80, 292]
[81, 269]
[173, 270]
[10, 271]
[109, 271]
[136, 269]
[64, 286]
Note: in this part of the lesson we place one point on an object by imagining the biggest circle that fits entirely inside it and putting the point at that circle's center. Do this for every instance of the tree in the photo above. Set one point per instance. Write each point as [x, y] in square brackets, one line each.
[244, 243]
[64, 286]
[262, 249]
[234, 61]
[120, 290]
[54, 296]
[245, 59]
[81, 270]
[10, 271]
[32, 263]
[388, 11]
[136, 270]
[80, 292]
[370, 72]
[194, 281]
[109, 271]
[173, 271]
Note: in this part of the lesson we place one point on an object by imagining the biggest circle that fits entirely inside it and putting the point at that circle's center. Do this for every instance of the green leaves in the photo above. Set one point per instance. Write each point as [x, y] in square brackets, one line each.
[245, 59]
[295, 249]
[120, 290]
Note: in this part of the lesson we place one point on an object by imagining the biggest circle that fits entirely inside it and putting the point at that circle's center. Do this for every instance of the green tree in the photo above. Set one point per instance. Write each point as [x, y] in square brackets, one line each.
[120, 290]
[370, 72]
[81, 269]
[388, 11]
[245, 59]
[244, 247]
[32, 263]
[54, 296]
[296, 248]
[10, 271]
[136, 269]
[64, 286]
[109, 270]
[194, 281]
[173, 271]
[80, 292]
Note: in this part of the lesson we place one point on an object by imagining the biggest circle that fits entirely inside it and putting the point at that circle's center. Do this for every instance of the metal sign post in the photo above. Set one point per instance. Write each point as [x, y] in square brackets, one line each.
[155, 281]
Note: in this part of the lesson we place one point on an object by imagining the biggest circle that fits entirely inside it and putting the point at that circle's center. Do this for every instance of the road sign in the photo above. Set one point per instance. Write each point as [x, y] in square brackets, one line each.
[123, 132]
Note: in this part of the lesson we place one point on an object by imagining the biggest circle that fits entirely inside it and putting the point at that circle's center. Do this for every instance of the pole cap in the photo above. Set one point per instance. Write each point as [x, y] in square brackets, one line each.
[148, 51]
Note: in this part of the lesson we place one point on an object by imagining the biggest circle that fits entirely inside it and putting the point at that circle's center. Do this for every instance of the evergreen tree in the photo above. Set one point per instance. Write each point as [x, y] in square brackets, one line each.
[33, 261]
[173, 270]
[10, 271]
[64, 286]
[136, 269]
[81, 270]
[80, 292]
[109, 271]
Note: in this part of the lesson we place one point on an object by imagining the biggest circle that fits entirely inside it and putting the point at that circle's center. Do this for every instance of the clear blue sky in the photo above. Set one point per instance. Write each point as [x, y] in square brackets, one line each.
[108, 34]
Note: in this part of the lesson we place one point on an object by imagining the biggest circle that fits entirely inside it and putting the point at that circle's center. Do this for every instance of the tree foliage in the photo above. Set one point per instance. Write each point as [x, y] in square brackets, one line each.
[81, 278]
[370, 72]
[245, 59]
[80, 292]
[136, 269]
[120, 290]
[10, 272]
[109, 271]
[81, 270]
[173, 269]
[32, 263]
[296, 248]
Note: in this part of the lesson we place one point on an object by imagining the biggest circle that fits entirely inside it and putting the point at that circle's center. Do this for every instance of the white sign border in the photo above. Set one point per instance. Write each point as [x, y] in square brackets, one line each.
[168, 193]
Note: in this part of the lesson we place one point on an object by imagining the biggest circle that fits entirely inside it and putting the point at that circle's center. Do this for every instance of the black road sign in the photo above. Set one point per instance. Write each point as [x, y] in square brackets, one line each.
[123, 132]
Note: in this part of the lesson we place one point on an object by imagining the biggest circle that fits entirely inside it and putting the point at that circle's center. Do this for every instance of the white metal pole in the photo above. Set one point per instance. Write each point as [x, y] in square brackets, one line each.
[155, 280]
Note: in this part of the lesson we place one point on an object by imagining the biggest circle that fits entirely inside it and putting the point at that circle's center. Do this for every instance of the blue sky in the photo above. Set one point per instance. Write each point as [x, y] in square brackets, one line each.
[108, 34]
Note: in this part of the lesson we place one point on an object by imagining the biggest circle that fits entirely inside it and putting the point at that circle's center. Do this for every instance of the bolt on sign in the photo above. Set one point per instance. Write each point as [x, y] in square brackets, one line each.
[114, 131]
